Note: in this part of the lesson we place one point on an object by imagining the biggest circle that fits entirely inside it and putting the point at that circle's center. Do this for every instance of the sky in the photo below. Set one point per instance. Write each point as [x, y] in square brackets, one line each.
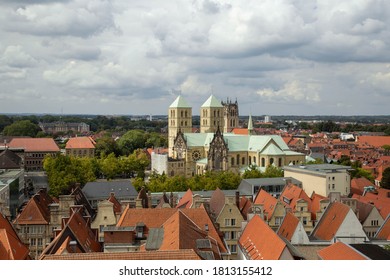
[120, 57]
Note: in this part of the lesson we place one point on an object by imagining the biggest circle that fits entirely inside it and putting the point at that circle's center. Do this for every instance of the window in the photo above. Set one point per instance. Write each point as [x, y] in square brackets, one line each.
[280, 162]
[250, 160]
[226, 235]
[227, 222]
[233, 222]
[278, 220]
[304, 221]
[33, 242]
[262, 162]
[233, 235]
[243, 161]
[333, 186]
[232, 161]
[233, 248]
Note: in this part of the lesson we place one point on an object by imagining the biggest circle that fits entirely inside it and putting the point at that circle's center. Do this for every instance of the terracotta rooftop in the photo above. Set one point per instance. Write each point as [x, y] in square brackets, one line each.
[186, 200]
[80, 143]
[358, 185]
[268, 201]
[260, 242]
[384, 231]
[340, 251]
[36, 211]
[9, 160]
[381, 202]
[35, 144]
[156, 217]
[145, 255]
[293, 193]
[376, 141]
[330, 221]
[288, 226]
[11, 247]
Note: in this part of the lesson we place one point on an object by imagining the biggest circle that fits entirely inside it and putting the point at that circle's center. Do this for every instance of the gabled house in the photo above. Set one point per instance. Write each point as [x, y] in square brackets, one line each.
[369, 217]
[186, 201]
[339, 222]
[76, 236]
[293, 230]
[259, 242]
[33, 223]
[11, 246]
[146, 224]
[224, 209]
[273, 208]
[295, 198]
[108, 214]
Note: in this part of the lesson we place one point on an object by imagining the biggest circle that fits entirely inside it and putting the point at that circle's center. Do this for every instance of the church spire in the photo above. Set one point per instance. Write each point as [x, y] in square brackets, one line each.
[250, 125]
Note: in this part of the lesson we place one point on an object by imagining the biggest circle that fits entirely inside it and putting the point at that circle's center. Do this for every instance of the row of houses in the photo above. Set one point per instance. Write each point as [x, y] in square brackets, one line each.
[197, 225]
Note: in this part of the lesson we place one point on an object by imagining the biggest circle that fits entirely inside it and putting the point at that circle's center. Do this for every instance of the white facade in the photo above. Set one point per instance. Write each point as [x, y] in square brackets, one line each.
[351, 230]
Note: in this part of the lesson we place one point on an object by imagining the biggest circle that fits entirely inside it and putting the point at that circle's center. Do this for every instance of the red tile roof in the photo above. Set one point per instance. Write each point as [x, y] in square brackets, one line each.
[145, 255]
[75, 228]
[35, 144]
[80, 143]
[380, 201]
[36, 211]
[340, 251]
[288, 226]
[268, 201]
[260, 242]
[156, 217]
[186, 200]
[358, 185]
[293, 193]
[240, 131]
[376, 141]
[11, 247]
[117, 206]
[384, 231]
[330, 221]
[315, 204]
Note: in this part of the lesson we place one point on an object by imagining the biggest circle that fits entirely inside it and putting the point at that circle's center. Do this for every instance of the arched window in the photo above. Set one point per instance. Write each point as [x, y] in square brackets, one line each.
[262, 162]
[181, 113]
[280, 162]
[232, 161]
[250, 160]
[243, 160]
[238, 159]
[254, 160]
[271, 161]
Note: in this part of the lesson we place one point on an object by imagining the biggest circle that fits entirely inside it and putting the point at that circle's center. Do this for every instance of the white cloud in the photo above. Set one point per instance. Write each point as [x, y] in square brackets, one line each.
[292, 92]
[15, 56]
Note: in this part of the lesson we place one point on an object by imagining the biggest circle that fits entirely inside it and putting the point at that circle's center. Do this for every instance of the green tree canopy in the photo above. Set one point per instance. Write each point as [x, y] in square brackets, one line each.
[22, 128]
[64, 172]
[105, 146]
[131, 140]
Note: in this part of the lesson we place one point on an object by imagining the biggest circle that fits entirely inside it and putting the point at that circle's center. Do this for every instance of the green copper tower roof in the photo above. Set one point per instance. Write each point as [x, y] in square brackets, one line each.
[212, 102]
[179, 103]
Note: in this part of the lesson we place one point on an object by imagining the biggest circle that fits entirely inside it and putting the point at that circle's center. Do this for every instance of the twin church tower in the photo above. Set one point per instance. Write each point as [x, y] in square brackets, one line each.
[213, 115]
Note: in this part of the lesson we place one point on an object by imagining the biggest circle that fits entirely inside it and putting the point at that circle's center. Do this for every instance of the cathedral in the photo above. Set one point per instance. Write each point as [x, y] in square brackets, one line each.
[215, 147]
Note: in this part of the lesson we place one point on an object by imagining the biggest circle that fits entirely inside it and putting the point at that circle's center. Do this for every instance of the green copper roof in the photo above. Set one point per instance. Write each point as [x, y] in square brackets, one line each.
[272, 150]
[179, 103]
[212, 102]
[270, 144]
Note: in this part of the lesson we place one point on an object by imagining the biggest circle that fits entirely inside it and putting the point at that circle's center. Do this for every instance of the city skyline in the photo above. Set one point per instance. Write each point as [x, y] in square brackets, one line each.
[120, 58]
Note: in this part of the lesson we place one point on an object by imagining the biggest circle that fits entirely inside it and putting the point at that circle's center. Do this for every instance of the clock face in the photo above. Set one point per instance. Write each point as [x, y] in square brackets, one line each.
[196, 155]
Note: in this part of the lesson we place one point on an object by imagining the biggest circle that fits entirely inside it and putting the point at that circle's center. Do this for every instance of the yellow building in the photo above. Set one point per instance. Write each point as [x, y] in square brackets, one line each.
[212, 150]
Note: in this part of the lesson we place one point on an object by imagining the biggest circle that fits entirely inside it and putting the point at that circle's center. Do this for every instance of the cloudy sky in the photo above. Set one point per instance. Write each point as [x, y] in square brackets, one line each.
[276, 57]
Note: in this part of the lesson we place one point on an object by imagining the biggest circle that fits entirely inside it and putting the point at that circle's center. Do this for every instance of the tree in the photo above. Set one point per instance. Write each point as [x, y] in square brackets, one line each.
[252, 172]
[272, 171]
[4, 121]
[64, 172]
[110, 166]
[106, 145]
[385, 182]
[131, 140]
[21, 128]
